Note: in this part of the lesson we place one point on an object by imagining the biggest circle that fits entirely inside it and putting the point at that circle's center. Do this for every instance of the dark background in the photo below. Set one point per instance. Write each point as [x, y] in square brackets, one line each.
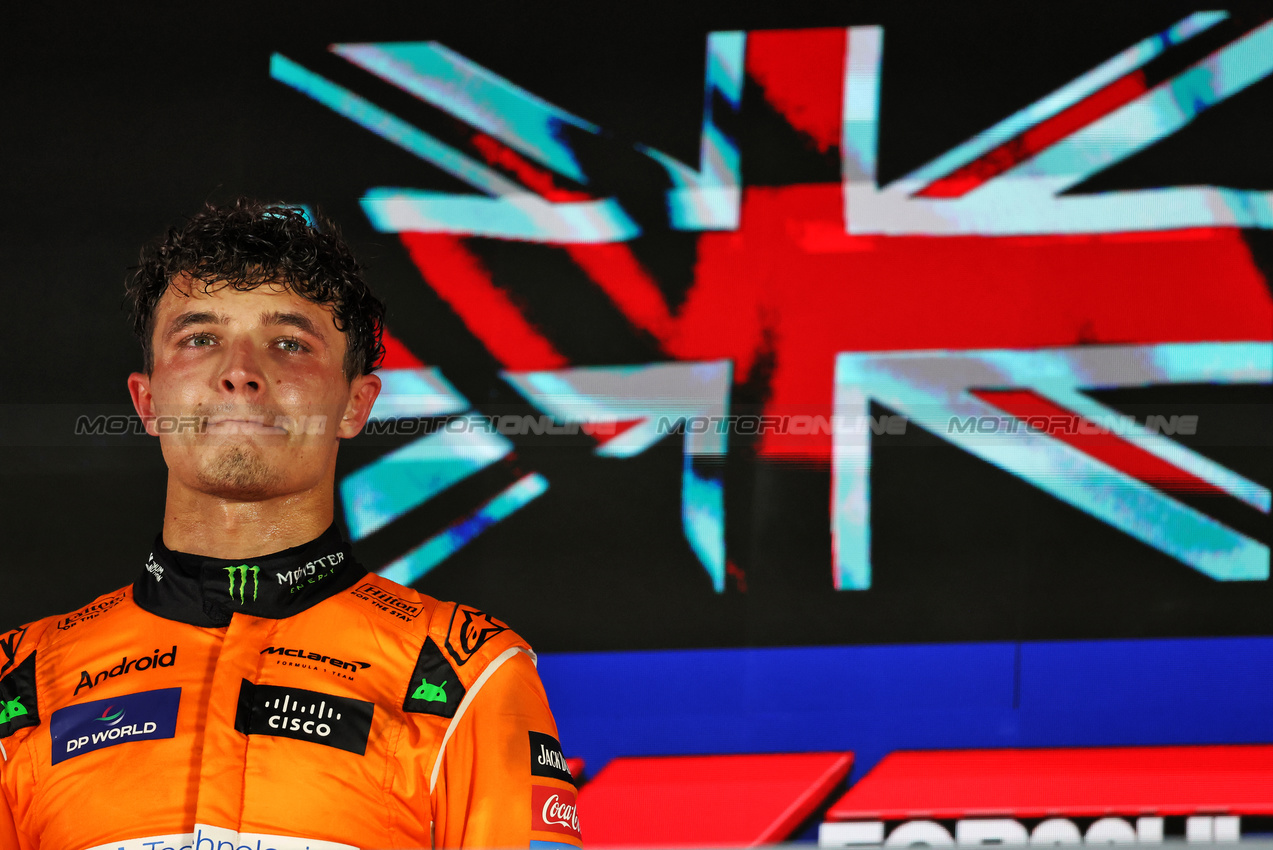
[118, 122]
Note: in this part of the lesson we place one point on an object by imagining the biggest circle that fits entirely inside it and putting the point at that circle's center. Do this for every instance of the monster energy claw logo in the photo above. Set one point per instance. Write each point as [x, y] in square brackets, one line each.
[242, 572]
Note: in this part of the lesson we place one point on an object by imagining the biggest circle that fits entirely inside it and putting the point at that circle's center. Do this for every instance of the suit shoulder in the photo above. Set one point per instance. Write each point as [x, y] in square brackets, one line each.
[21, 649]
[95, 615]
[393, 604]
[466, 637]
[471, 638]
[16, 644]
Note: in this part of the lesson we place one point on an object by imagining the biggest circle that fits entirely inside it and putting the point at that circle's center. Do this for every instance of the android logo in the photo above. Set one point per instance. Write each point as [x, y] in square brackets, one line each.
[430, 693]
[15, 708]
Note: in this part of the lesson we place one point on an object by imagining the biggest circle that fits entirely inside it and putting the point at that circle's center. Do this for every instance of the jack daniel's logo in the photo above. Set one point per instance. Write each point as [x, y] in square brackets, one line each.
[546, 758]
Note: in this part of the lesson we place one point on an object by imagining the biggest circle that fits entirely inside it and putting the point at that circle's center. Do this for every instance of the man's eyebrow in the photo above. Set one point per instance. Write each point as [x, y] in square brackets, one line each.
[295, 320]
[185, 320]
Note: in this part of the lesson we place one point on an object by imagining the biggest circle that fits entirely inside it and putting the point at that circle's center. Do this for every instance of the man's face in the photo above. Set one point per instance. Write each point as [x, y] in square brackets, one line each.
[248, 394]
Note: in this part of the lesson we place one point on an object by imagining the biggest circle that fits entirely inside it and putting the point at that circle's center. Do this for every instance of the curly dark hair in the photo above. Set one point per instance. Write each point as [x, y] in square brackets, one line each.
[252, 243]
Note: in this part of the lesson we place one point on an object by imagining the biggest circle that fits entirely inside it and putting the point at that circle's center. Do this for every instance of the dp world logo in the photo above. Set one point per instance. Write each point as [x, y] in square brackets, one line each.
[110, 717]
[241, 573]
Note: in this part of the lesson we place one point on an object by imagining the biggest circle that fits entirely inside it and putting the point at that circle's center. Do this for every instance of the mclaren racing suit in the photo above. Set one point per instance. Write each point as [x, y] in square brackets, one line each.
[286, 702]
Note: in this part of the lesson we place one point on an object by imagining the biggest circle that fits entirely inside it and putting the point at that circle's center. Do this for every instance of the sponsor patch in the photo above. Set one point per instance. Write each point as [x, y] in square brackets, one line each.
[125, 666]
[248, 577]
[312, 573]
[10, 644]
[296, 713]
[145, 716]
[468, 631]
[388, 602]
[92, 612]
[435, 688]
[546, 758]
[18, 708]
[292, 657]
[554, 810]
[207, 837]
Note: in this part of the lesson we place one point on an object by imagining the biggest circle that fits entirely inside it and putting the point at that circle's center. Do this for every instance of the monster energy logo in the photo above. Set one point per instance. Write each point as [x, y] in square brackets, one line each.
[242, 572]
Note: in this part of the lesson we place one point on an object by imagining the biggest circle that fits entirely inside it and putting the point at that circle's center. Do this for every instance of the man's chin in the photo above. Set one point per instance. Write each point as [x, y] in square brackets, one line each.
[238, 472]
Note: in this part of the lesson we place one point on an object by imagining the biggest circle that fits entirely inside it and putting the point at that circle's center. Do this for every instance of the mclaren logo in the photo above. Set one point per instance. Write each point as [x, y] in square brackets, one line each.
[313, 660]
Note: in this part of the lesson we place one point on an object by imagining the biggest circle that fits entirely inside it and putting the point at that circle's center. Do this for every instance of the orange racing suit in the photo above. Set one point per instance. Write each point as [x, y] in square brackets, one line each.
[285, 702]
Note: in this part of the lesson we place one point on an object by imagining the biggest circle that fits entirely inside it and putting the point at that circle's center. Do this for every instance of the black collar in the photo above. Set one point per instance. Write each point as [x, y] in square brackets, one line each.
[207, 591]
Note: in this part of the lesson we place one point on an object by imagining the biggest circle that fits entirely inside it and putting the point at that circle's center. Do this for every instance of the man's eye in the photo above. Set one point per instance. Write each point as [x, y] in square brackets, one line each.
[201, 341]
[292, 345]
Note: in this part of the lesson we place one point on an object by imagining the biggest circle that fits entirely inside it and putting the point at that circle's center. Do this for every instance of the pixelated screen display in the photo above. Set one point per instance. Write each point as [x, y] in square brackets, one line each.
[769, 392]
[844, 378]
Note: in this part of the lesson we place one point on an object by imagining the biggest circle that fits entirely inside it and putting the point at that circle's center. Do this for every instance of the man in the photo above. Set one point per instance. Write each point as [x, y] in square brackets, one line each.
[255, 687]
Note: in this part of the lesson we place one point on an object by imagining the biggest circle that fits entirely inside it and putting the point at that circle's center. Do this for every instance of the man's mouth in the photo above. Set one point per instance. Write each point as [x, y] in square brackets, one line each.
[253, 425]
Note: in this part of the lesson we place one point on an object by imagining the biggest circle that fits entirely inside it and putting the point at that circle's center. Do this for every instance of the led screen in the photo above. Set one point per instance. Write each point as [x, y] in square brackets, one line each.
[858, 378]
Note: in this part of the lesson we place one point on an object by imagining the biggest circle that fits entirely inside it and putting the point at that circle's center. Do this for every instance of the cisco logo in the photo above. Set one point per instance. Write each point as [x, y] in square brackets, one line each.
[296, 716]
[304, 715]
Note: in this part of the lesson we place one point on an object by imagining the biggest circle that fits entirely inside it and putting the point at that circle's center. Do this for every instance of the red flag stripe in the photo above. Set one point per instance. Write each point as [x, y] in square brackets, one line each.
[1039, 137]
[1163, 781]
[1108, 448]
[459, 278]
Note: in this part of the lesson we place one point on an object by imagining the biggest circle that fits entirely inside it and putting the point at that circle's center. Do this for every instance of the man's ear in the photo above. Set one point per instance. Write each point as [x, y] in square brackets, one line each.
[363, 392]
[143, 401]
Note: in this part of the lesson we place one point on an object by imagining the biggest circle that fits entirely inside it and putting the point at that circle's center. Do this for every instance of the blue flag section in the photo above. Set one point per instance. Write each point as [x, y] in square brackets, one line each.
[873, 700]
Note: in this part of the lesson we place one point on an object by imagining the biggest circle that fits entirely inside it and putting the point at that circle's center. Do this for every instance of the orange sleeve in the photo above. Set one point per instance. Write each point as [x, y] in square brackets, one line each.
[19, 715]
[8, 831]
[502, 781]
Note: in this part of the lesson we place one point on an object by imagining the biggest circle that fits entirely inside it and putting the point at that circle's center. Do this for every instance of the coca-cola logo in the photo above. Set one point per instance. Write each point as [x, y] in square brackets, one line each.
[555, 810]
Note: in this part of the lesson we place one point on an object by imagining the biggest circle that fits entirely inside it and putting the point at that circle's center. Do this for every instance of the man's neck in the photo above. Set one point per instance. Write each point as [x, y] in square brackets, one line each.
[217, 527]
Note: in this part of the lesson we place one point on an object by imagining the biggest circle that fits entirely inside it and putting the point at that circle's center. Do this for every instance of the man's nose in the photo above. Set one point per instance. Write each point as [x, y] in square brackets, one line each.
[241, 373]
